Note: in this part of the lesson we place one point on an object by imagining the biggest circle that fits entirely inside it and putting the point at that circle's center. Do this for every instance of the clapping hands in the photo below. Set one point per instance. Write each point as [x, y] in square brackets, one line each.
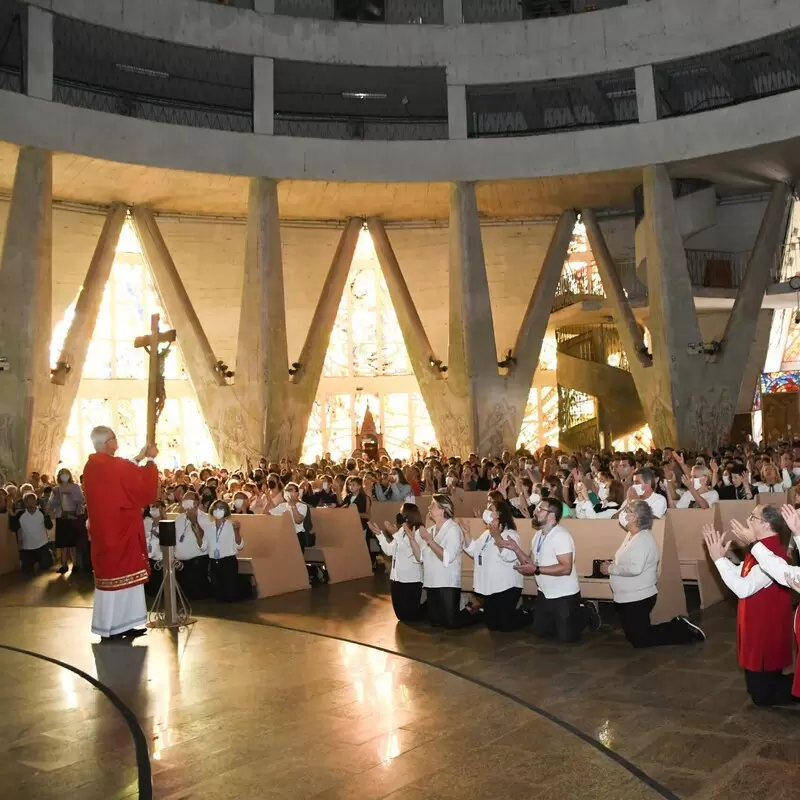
[717, 547]
[792, 517]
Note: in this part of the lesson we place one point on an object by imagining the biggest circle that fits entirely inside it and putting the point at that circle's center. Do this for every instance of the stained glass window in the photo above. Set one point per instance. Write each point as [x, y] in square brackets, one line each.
[780, 382]
[113, 387]
[540, 423]
[791, 355]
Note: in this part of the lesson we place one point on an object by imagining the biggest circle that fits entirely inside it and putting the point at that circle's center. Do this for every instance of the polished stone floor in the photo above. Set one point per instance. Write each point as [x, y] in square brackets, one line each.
[252, 704]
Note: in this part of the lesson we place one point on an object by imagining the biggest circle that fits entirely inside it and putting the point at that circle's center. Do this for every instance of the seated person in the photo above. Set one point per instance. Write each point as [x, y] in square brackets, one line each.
[154, 515]
[325, 495]
[644, 488]
[297, 511]
[31, 525]
[699, 493]
[735, 484]
[610, 496]
[223, 540]
[771, 481]
[405, 578]
[241, 503]
[398, 488]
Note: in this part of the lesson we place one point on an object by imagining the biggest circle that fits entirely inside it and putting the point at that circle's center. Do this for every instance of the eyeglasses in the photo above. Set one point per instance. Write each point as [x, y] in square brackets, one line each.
[753, 516]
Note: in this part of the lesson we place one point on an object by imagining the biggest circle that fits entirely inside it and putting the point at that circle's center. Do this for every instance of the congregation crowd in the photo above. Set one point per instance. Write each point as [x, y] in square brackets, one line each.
[753, 559]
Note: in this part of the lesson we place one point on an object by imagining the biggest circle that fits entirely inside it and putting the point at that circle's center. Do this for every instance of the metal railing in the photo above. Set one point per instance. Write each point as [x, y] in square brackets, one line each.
[576, 286]
[10, 80]
[366, 128]
[727, 77]
[523, 109]
[716, 269]
[236, 3]
[391, 12]
[574, 408]
[511, 10]
[11, 45]
[172, 112]
[789, 261]
[600, 344]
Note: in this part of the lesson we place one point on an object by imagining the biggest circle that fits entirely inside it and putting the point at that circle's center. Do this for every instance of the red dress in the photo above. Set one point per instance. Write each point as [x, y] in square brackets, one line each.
[764, 621]
[116, 491]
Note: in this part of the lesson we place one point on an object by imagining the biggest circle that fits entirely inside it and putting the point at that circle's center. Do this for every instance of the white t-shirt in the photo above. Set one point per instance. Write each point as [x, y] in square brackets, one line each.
[285, 508]
[657, 503]
[445, 573]
[494, 568]
[186, 546]
[220, 541]
[32, 532]
[544, 552]
[405, 567]
[685, 500]
[151, 537]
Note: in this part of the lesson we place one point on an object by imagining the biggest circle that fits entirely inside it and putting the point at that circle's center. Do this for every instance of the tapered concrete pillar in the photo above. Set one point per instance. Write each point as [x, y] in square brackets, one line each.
[472, 406]
[27, 435]
[235, 435]
[688, 394]
[66, 375]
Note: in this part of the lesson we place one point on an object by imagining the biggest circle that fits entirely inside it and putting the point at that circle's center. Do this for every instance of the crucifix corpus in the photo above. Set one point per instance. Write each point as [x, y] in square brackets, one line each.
[156, 390]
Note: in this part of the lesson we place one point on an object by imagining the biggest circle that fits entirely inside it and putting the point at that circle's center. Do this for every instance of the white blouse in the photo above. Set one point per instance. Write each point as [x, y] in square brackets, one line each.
[405, 567]
[151, 537]
[220, 540]
[446, 573]
[494, 568]
[584, 509]
[186, 546]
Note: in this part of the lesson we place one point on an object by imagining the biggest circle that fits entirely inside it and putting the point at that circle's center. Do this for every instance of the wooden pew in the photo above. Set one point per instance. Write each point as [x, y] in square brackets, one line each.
[271, 554]
[466, 502]
[9, 554]
[341, 545]
[387, 510]
[686, 525]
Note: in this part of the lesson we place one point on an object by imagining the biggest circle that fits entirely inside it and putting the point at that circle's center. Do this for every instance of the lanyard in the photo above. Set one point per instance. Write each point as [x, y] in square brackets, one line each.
[539, 545]
[218, 532]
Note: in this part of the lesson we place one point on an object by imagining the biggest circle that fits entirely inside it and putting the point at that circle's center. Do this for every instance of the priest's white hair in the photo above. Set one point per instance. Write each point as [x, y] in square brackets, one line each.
[100, 435]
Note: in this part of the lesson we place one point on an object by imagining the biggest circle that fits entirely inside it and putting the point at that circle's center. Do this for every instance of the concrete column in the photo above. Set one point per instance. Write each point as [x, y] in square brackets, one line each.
[27, 435]
[236, 435]
[646, 94]
[264, 6]
[66, 376]
[39, 56]
[453, 12]
[263, 95]
[457, 111]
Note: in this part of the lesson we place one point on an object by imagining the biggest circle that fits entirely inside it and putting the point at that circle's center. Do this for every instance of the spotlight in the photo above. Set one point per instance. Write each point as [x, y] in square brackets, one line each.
[508, 362]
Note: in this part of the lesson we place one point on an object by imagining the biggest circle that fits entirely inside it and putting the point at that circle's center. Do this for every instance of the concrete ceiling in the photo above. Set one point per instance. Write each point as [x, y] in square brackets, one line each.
[97, 182]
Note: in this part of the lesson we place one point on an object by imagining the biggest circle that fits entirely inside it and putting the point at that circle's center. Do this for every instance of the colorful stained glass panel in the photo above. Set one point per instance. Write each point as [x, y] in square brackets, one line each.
[772, 382]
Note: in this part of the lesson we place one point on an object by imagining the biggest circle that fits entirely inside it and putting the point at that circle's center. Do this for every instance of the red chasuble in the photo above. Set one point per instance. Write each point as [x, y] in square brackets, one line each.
[116, 492]
[796, 686]
[764, 621]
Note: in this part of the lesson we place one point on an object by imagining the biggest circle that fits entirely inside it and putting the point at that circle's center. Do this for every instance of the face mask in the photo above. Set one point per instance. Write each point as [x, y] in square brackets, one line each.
[171, 497]
[188, 504]
[639, 489]
[698, 482]
[796, 471]
[488, 516]
[155, 513]
[238, 502]
[63, 478]
[451, 481]
[287, 497]
[325, 486]
[219, 513]
[535, 498]
[726, 480]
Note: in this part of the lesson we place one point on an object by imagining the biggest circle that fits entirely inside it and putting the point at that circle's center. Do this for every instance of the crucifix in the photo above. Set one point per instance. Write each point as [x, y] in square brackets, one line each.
[156, 391]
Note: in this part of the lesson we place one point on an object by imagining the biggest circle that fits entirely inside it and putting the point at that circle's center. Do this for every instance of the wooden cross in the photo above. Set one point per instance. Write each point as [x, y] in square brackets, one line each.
[156, 394]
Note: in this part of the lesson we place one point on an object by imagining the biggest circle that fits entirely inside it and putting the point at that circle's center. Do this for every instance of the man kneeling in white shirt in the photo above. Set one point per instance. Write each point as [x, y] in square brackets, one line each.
[31, 526]
[559, 611]
[634, 576]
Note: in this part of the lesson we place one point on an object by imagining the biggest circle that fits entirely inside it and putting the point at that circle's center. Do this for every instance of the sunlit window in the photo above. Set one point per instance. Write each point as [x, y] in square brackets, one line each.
[540, 424]
[113, 387]
[638, 440]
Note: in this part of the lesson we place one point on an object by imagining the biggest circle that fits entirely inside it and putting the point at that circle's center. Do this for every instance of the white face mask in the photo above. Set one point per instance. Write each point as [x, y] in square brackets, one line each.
[488, 516]
[726, 480]
[238, 502]
[639, 489]
[219, 513]
[698, 482]
[535, 498]
[63, 478]
[796, 471]
[451, 481]
[155, 513]
[188, 504]
[325, 486]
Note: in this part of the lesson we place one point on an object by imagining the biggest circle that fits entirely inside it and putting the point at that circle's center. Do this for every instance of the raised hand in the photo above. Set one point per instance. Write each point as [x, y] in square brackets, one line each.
[793, 579]
[678, 457]
[792, 517]
[426, 535]
[743, 534]
[374, 527]
[687, 481]
[717, 548]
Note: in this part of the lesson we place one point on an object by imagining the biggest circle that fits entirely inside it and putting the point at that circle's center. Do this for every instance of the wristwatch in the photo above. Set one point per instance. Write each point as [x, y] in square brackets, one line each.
[536, 571]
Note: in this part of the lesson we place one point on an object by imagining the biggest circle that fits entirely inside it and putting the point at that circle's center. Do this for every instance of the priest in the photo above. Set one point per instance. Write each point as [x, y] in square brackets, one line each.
[116, 491]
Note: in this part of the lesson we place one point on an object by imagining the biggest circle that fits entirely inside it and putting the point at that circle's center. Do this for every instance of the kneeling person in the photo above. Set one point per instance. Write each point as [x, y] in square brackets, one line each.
[223, 539]
[31, 525]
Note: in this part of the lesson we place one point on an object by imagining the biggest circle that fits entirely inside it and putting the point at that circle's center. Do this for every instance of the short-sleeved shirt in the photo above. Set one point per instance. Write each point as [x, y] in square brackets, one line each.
[545, 550]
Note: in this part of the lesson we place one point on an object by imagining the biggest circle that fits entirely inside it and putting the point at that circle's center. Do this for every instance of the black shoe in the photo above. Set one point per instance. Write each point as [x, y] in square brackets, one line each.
[133, 633]
[593, 613]
[697, 632]
[62, 570]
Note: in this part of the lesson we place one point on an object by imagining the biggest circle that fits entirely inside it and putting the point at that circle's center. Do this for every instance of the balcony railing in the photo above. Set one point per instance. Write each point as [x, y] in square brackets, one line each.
[712, 269]
[727, 77]
[510, 10]
[600, 344]
[789, 261]
[521, 109]
[585, 284]
[391, 12]
[366, 128]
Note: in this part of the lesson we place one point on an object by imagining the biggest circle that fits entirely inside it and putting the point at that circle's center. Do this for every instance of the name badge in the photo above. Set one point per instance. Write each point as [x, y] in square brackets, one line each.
[216, 554]
[480, 561]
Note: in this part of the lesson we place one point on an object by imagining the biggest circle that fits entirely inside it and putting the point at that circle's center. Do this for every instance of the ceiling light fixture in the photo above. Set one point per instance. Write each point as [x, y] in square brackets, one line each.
[364, 95]
[151, 73]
